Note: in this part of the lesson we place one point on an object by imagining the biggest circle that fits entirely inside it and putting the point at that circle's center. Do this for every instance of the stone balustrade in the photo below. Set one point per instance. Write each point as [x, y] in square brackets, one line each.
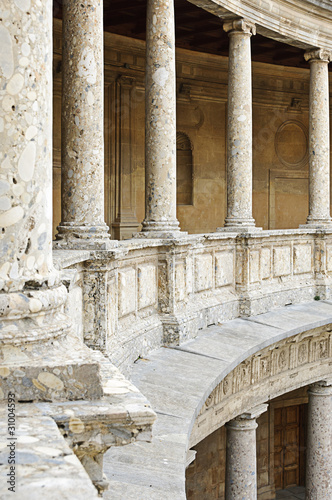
[147, 293]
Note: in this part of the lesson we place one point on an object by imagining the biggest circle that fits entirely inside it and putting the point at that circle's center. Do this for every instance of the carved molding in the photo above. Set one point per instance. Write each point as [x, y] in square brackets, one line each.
[280, 368]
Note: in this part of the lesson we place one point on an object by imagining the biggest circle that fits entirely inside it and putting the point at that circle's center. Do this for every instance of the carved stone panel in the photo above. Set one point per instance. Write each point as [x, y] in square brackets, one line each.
[147, 285]
[302, 258]
[127, 291]
[224, 268]
[203, 272]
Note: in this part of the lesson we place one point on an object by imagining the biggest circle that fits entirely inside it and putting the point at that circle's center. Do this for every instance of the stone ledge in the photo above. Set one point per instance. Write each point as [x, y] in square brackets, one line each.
[46, 468]
[90, 428]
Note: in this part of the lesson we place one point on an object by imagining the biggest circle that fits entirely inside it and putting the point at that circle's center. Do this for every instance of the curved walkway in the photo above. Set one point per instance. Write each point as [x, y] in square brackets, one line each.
[177, 382]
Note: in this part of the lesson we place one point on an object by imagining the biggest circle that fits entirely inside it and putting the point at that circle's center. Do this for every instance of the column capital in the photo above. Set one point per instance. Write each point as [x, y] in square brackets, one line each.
[247, 420]
[318, 55]
[321, 388]
[239, 25]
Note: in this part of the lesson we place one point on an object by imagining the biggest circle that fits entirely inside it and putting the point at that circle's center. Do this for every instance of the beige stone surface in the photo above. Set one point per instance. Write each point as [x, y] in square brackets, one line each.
[82, 175]
[239, 125]
[319, 448]
[160, 121]
[319, 139]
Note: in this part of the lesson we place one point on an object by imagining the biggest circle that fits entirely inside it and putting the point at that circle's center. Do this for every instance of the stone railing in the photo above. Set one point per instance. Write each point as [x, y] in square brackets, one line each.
[147, 293]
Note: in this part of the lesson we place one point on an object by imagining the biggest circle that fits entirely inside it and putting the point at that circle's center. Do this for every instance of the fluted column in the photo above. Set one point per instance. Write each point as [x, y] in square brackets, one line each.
[160, 125]
[241, 473]
[319, 442]
[319, 139]
[239, 127]
[82, 127]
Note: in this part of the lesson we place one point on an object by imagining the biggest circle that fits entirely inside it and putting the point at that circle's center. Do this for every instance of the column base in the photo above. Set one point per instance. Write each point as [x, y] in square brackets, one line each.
[162, 230]
[40, 357]
[317, 224]
[238, 228]
[85, 237]
[236, 225]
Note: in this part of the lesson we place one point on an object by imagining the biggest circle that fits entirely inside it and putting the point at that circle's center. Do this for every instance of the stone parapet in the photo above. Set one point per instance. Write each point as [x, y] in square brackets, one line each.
[148, 293]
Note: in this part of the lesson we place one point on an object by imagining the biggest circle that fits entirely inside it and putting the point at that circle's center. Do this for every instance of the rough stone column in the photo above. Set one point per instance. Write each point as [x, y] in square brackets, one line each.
[160, 125]
[319, 139]
[82, 127]
[26, 149]
[319, 442]
[34, 346]
[239, 127]
[241, 474]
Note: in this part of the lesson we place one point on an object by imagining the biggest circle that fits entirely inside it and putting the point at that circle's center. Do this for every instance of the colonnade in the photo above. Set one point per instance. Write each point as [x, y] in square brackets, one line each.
[82, 128]
[241, 473]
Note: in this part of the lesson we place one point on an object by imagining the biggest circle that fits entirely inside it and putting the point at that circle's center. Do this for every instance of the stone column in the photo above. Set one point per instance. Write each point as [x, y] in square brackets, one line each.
[82, 127]
[239, 127]
[319, 442]
[319, 139]
[160, 125]
[35, 350]
[241, 474]
[26, 154]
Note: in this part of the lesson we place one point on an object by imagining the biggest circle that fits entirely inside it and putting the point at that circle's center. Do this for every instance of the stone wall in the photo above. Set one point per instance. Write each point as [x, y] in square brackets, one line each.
[280, 145]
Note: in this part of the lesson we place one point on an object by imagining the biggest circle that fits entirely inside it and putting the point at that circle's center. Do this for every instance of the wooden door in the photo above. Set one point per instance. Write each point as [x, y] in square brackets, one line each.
[289, 446]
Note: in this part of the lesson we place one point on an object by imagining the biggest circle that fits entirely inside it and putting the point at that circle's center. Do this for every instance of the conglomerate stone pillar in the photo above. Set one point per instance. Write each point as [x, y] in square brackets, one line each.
[319, 139]
[160, 125]
[241, 474]
[26, 154]
[82, 127]
[239, 127]
[34, 350]
[319, 442]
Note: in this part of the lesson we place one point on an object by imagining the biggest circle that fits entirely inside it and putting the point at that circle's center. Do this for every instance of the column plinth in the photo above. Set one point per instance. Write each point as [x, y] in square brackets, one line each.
[319, 140]
[35, 348]
[82, 128]
[160, 125]
[319, 442]
[241, 474]
[239, 128]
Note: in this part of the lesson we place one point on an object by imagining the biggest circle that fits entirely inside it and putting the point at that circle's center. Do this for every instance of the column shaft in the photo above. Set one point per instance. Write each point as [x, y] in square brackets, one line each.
[319, 139]
[239, 126]
[35, 343]
[241, 474]
[319, 443]
[26, 147]
[82, 126]
[160, 126]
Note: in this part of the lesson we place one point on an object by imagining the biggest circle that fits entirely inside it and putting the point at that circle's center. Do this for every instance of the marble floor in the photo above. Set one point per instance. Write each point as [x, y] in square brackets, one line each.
[295, 493]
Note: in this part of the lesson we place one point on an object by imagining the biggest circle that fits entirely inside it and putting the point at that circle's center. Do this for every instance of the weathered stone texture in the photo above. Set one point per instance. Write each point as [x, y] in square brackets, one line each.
[319, 446]
[239, 130]
[319, 139]
[26, 145]
[82, 127]
[160, 133]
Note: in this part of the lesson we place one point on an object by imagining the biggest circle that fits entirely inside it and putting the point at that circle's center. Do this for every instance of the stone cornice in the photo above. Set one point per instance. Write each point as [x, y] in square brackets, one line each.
[288, 21]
